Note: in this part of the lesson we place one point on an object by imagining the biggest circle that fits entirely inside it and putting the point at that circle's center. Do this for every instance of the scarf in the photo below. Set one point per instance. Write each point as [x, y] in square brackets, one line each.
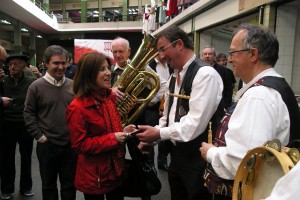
[106, 102]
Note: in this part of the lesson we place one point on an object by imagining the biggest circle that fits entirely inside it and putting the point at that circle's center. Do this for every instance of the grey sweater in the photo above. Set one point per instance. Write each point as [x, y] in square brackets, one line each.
[45, 110]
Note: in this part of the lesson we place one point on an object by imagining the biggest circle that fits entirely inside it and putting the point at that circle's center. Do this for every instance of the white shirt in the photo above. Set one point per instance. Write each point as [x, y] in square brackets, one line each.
[162, 87]
[162, 70]
[259, 116]
[204, 99]
[53, 81]
[287, 187]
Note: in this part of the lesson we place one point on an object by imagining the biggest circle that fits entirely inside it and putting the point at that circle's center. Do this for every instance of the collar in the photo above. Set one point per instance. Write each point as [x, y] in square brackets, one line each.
[267, 72]
[53, 81]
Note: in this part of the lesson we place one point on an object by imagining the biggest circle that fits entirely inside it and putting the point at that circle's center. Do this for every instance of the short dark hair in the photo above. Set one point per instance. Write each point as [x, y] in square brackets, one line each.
[263, 40]
[174, 33]
[220, 56]
[54, 50]
[84, 82]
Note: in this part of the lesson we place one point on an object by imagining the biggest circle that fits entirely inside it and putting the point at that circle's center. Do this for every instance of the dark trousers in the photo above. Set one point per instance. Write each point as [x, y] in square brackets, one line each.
[164, 148]
[12, 134]
[57, 161]
[185, 176]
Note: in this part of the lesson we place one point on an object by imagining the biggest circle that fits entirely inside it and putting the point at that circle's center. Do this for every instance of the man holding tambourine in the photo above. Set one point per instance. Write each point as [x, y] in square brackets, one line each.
[265, 108]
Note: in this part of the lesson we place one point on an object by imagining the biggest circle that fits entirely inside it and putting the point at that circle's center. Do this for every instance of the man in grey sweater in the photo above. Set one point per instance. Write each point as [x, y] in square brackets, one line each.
[44, 113]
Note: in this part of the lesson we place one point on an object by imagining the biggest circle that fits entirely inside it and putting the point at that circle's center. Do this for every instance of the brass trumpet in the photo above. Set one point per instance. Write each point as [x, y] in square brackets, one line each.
[135, 81]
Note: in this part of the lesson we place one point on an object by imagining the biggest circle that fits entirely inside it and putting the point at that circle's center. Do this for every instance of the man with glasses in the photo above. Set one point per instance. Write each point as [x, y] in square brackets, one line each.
[45, 117]
[221, 59]
[193, 95]
[14, 131]
[265, 108]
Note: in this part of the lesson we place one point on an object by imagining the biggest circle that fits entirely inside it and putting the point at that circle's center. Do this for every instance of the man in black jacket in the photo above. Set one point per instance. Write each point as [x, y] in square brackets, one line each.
[14, 131]
[208, 55]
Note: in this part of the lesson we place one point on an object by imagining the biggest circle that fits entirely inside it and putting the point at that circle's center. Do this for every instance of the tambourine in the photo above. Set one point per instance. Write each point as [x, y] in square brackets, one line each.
[260, 169]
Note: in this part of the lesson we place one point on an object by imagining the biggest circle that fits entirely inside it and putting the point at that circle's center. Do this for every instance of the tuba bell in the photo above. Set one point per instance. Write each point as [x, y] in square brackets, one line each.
[135, 80]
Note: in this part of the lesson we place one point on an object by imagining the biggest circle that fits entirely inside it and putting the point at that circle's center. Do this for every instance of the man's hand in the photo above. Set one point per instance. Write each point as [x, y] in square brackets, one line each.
[6, 101]
[42, 139]
[145, 148]
[118, 94]
[204, 148]
[36, 71]
[149, 135]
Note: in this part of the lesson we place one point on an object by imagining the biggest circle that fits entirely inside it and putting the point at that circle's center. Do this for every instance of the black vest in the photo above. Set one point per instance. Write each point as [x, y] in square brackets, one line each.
[191, 148]
[289, 99]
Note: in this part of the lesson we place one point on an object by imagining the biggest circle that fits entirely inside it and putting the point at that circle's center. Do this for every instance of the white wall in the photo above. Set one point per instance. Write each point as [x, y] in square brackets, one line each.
[288, 31]
[296, 60]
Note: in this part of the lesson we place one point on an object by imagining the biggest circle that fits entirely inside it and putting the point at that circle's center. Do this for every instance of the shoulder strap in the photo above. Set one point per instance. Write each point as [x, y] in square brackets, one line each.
[289, 99]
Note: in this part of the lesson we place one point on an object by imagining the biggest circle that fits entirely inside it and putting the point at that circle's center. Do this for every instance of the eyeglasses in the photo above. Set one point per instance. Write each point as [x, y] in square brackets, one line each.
[232, 52]
[163, 49]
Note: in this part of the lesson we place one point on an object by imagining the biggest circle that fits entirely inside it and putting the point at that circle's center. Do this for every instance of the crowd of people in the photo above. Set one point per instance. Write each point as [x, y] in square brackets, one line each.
[71, 112]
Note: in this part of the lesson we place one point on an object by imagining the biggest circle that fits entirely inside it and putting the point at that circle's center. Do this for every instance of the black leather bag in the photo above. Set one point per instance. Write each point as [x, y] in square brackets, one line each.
[142, 178]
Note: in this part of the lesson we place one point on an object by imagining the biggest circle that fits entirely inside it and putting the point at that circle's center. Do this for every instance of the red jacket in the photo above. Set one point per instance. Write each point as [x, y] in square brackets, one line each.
[94, 174]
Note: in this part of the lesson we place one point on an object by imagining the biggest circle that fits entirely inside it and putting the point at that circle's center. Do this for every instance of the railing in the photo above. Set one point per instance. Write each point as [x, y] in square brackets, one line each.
[99, 19]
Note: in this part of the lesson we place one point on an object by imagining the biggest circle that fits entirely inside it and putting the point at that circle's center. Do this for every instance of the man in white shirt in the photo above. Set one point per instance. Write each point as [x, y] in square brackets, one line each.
[192, 97]
[265, 109]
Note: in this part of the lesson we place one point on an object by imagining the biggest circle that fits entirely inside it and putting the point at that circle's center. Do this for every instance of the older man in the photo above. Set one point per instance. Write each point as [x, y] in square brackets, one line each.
[208, 55]
[265, 108]
[121, 51]
[14, 131]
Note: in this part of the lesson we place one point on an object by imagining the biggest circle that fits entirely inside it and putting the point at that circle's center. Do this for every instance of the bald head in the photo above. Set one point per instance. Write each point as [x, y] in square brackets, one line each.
[3, 55]
[120, 49]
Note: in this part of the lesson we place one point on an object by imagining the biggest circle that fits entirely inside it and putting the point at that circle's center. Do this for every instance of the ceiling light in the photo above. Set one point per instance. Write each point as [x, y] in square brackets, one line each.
[39, 36]
[24, 30]
[4, 21]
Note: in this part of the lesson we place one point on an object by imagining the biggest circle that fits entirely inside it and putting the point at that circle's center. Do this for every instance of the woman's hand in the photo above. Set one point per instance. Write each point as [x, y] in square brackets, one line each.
[122, 137]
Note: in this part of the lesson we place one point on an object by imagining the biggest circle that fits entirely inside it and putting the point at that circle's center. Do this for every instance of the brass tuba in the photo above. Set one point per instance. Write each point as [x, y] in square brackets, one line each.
[135, 80]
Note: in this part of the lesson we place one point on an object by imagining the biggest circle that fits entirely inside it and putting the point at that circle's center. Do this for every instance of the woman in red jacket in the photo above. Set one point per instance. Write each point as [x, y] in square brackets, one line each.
[96, 131]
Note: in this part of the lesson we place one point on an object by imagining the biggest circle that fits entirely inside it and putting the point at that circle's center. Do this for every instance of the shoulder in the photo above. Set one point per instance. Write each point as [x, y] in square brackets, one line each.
[37, 82]
[81, 103]
[263, 93]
